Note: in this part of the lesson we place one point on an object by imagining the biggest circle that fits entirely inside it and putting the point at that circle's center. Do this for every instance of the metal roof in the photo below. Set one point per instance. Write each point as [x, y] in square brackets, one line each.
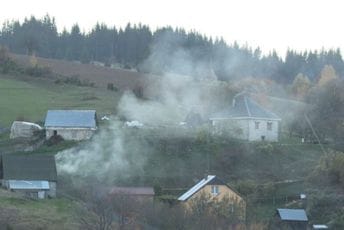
[28, 167]
[196, 188]
[71, 118]
[292, 214]
[28, 184]
[139, 191]
[320, 226]
[244, 107]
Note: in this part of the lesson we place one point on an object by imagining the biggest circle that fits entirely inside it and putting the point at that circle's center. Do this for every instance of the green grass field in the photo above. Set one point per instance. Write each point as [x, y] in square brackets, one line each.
[31, 100]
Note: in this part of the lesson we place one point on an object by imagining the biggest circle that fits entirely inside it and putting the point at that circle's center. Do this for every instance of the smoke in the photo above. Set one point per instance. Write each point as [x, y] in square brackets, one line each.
[108, 156]
[170, 97]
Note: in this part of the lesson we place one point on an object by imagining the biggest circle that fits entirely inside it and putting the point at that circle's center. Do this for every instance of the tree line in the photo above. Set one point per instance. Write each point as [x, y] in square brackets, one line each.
[132, 45]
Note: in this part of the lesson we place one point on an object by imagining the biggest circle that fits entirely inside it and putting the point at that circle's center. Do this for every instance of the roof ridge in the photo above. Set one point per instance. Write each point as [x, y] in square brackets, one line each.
[247, 108]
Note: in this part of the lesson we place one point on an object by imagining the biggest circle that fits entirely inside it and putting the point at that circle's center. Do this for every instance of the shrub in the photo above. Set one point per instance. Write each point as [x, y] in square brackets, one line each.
[246, 187]
[6, 63]
[110, 86]
[37, 71]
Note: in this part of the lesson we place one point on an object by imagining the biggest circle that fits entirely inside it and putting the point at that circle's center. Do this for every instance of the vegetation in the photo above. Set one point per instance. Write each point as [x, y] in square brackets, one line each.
[132, 45]
[30, 100]
[268, 175]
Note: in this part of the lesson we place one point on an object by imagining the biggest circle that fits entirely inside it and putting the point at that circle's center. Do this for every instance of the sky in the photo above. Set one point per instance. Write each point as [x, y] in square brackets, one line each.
[270, 24]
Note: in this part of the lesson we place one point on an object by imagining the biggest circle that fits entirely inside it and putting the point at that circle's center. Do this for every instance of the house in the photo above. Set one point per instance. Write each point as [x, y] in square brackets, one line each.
[70, 124]
[211, 187]
[290, 219]
[32, 175]
[247, 120]
[134, 193]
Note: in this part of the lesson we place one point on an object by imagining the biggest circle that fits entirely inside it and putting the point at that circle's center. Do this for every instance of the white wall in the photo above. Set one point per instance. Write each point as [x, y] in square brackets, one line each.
[76, 134]
[245, 129]
[256, 134]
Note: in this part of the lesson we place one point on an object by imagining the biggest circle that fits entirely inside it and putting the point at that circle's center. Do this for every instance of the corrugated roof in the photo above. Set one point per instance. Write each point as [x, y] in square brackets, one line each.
[139, 191]
[28, 167]
[245, 107]
[292, 214]
[28, 184]
[196, 188]
[71, 118]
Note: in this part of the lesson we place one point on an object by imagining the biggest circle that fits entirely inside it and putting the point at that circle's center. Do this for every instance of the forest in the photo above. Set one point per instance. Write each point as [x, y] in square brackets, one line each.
[131, 46]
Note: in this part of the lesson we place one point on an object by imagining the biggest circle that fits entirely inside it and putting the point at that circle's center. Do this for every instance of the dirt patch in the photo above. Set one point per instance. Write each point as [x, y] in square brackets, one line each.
[100, 75]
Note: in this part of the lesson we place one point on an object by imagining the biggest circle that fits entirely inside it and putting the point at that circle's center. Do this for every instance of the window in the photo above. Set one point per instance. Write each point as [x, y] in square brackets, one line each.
[256, 125]
[215, 190]
[269, 126]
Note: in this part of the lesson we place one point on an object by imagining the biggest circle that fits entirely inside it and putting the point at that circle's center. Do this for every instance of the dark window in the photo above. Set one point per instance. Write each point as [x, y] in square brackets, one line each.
[55, 132]
[256, 125]
[269, 126]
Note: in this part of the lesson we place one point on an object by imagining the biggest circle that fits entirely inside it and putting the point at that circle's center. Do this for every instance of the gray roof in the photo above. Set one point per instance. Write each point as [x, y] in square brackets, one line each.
[244, 107]
[28, 167]
[292, 214]
[28, 184]
[71, 118]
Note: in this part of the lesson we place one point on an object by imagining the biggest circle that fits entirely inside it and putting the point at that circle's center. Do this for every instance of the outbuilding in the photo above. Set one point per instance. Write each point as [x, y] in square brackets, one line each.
[34, 176]
[290, 219]
[71, 124]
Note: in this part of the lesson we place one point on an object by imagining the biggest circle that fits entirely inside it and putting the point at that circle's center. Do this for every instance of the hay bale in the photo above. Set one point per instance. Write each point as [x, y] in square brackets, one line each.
[20, 129]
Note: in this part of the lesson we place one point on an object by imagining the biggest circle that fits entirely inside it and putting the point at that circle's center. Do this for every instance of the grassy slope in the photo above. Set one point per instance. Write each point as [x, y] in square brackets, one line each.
[43, 214]
[31, 100]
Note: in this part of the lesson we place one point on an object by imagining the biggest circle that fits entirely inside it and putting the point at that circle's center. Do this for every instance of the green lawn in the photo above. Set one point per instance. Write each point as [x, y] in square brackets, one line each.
[31, 100]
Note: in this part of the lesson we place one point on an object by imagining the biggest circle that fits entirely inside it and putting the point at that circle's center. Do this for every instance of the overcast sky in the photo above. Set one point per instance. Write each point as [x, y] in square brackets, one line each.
[269, 24]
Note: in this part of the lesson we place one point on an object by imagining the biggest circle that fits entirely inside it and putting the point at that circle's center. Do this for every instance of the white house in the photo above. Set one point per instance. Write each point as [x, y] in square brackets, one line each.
[71, 124]
[247, 120]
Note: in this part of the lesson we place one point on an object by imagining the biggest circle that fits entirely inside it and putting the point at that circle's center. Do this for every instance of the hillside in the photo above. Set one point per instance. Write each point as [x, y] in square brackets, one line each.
[30, 98]
[100, 75]
[170, 158]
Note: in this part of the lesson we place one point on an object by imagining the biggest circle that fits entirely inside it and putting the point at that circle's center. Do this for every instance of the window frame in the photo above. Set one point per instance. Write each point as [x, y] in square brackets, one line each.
[256, 124]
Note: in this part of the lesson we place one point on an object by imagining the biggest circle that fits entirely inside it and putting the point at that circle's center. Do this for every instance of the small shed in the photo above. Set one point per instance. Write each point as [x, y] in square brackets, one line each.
[71, 124]
[290, 219]
[33, 175]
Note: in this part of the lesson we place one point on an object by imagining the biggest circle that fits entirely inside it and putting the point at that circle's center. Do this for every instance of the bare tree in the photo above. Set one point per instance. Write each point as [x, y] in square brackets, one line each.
[97, 212]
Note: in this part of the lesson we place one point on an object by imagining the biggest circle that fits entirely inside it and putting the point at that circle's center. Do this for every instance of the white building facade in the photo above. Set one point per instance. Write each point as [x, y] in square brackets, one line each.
[247, 120]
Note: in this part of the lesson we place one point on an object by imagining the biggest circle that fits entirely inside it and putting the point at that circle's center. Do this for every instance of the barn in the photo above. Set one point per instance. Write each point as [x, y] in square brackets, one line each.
[246, 120]
[71, 124]
[34, 176]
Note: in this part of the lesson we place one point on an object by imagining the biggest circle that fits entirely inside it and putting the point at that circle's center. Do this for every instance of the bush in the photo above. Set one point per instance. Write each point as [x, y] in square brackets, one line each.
[246, 187]
[6, 63]
[37, 71]
[330, 170]
[265, 148]
[74, 80]
[110, 86]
